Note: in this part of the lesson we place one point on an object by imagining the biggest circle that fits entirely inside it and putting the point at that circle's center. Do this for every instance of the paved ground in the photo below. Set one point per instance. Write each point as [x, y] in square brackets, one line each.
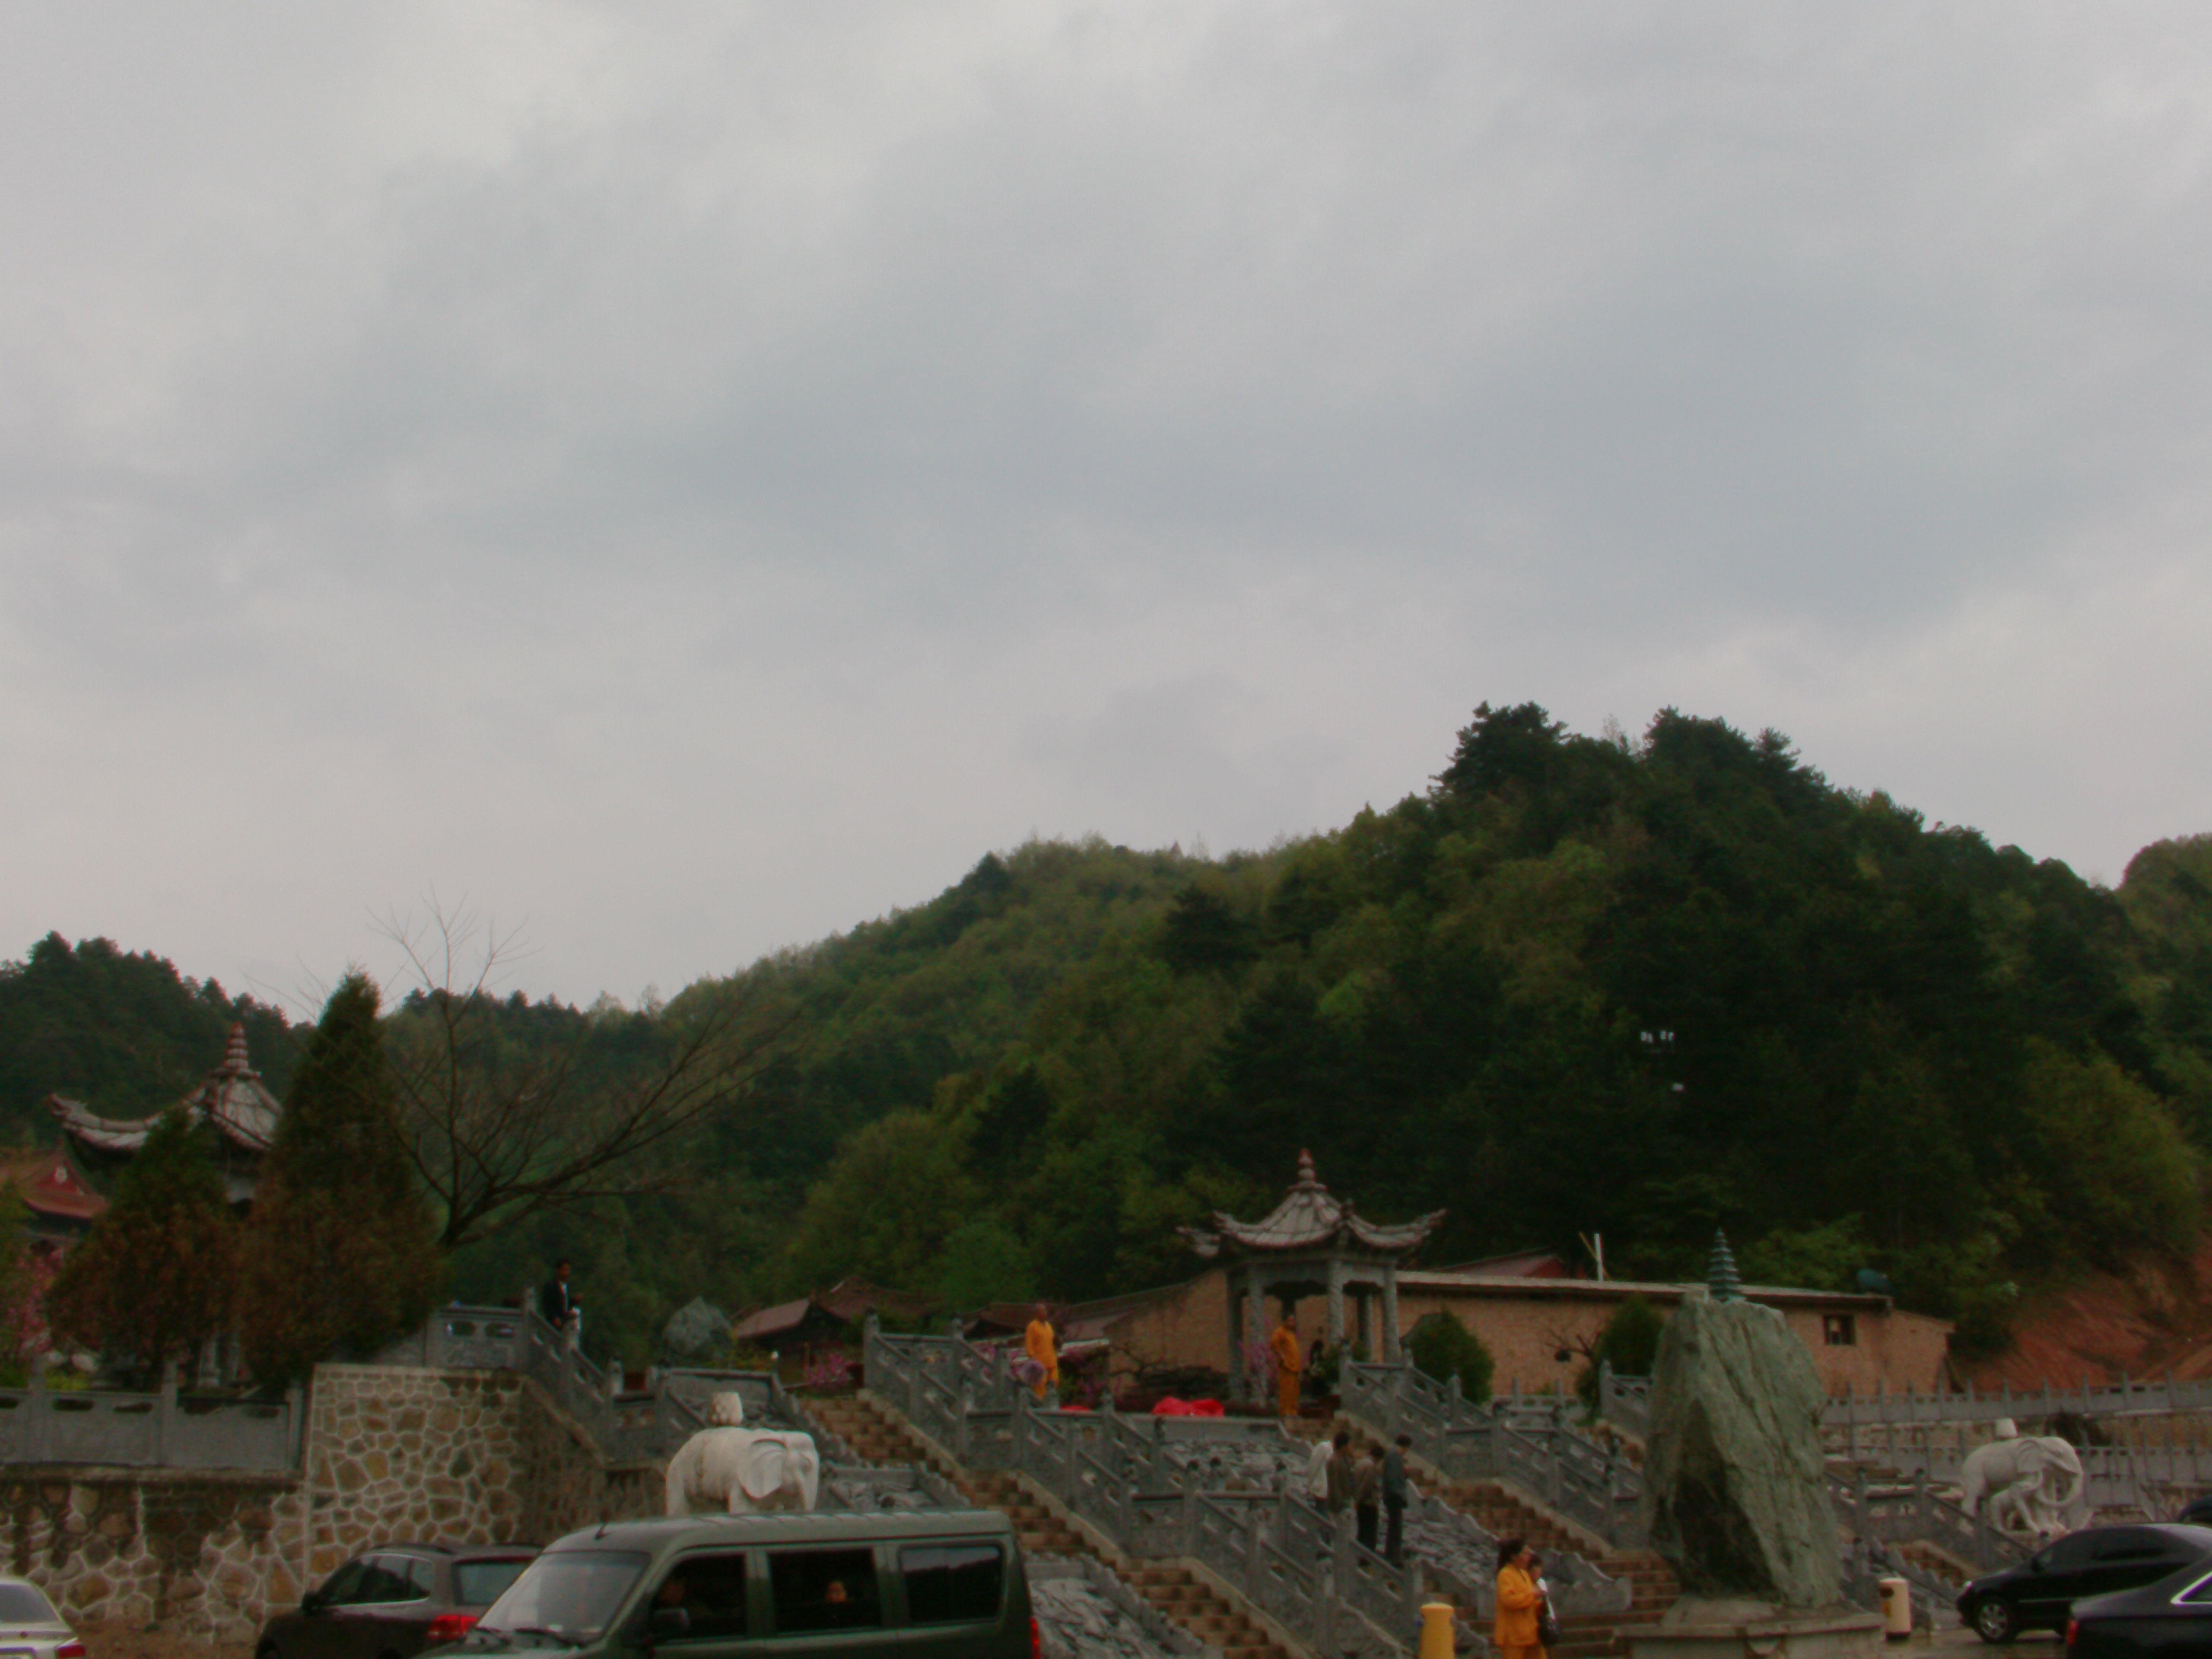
[119, 1641]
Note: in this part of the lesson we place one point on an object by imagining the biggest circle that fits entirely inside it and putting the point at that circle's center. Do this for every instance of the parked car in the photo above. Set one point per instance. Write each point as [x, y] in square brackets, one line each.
[2039, 1593]
[29, 1626]
[2168, 1618]
[920, 1584]
[394, 1602]
[2197, 1512]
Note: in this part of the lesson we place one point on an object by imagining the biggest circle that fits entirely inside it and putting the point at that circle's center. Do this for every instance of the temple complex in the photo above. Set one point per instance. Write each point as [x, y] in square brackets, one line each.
[1310, 1244]
[232, 1099]
[1537, 1317]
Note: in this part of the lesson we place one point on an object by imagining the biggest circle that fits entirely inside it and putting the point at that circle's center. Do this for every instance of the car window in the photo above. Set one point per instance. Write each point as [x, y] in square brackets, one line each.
[824, 1589]
[342, 1588]
[480, 1583]
[2069, 1554]
[2129, 1544]
[422, 1575]
[711, 1588]
[949, 1584]
[570, 1593]
[385, 1579]
[23, 1604]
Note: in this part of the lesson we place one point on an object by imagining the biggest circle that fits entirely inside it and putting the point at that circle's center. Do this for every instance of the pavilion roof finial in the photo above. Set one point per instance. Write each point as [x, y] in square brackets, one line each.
[234, 1056]
[1306, 1177]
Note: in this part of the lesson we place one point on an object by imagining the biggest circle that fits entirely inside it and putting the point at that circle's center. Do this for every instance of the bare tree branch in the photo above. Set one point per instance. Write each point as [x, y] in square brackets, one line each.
[502, 1130]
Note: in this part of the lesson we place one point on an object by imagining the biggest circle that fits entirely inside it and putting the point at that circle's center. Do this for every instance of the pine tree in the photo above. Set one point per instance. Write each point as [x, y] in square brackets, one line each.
[341, 1254]
[157, 1276]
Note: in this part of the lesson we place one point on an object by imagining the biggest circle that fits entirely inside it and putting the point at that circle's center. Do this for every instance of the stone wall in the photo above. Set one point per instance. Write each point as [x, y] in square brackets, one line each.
[392, 1455]
[205, 1554]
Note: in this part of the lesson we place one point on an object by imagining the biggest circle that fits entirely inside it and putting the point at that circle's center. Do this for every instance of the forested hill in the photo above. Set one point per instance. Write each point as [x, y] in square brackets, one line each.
[1574, 986]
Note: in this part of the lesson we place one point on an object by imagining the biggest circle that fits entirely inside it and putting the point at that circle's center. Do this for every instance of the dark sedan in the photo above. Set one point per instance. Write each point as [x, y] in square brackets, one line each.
[2169, 1619]
[2039, 1594]
[394, 1602]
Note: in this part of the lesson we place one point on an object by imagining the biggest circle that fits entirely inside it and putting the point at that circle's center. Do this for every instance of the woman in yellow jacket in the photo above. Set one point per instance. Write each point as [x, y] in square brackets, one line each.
[1515, 1635]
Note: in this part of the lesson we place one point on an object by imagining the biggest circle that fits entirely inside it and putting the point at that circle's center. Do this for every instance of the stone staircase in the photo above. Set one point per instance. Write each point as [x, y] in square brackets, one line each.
[1504, 1513]
[879, 1436]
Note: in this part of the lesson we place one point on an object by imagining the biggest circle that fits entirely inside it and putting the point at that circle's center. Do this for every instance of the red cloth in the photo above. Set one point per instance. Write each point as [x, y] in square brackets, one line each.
[1168, 1406]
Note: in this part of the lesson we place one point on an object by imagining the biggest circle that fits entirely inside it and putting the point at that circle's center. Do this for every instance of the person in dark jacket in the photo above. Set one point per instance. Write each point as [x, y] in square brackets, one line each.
[1396, 1490]
[557, 1305]
[1367, 1495]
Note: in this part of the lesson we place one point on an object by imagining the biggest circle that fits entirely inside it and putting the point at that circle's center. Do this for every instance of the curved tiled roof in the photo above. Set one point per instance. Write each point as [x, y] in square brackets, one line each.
[1308, 1218]
[232, 1098]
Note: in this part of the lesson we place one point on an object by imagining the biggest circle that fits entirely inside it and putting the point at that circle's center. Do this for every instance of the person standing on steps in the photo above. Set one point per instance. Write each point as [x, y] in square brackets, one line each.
[1317, 1471]
[1039, 1344]
[1514, 1634]
[1395, 1493]
[1367, 1495]
[1289, 1365]
[558, 1307]
[1341, 1477]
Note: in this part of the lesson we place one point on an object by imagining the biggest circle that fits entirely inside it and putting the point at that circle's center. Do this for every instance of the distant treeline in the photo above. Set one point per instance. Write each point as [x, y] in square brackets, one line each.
[1576, 985]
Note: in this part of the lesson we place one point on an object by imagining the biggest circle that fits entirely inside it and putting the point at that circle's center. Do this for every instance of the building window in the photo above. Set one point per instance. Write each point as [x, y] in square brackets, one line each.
[1842, 1330]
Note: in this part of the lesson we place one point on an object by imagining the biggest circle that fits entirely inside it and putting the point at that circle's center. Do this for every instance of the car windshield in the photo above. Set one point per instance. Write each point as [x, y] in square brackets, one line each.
[23, 1604]
[480, 1583]
[570, 1594]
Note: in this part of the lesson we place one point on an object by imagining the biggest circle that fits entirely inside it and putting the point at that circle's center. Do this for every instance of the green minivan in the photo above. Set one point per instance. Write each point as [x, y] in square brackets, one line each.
[927, 1584]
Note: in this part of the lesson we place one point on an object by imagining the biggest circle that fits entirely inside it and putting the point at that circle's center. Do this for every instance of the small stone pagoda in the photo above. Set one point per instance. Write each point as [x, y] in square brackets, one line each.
[232, 1099]
[1312, 1243]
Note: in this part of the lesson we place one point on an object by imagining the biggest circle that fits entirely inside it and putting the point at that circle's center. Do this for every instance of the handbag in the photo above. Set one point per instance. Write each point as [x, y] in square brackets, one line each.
[1547, 1626]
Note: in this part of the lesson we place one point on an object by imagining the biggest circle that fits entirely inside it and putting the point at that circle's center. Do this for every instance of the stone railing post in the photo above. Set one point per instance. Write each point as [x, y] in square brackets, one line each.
[40, 1436]
[1255, 1551]
[165, 1419]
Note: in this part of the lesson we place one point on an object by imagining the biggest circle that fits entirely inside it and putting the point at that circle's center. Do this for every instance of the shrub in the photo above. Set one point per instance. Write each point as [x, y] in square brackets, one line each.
[1442, 1347]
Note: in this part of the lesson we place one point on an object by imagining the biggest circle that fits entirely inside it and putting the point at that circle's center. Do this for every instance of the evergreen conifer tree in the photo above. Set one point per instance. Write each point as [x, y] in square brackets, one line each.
[341, 1254]
[157, 1275]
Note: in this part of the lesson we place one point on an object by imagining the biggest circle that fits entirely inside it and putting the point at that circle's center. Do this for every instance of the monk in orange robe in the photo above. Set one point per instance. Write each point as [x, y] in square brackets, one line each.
[1289, 1365]
[1039, 1345]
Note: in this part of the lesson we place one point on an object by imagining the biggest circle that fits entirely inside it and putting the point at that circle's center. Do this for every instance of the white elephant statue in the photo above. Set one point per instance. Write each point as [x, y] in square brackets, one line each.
[2033, 1484]
[744, 1471]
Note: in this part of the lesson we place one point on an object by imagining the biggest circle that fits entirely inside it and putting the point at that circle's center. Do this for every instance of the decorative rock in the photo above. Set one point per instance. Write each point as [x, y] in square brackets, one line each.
[696, 1331]
[1733, 1475]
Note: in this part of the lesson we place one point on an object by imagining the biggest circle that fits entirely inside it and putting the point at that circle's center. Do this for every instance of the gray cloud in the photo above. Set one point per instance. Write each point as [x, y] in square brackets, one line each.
[695, 483]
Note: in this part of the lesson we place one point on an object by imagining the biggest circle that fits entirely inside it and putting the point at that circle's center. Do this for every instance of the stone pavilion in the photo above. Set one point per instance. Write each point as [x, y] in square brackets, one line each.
[1312, 1243]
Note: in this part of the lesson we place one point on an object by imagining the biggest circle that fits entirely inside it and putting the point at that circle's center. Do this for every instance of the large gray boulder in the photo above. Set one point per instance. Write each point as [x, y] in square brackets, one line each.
[1732, 1469]
[697, 1333]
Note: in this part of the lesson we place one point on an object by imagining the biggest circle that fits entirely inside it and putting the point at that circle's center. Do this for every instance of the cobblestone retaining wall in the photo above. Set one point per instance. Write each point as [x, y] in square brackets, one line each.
[203, 1554]
[392, 1455]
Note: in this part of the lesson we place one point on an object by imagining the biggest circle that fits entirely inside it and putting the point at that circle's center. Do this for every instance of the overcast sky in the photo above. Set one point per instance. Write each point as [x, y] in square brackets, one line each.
[687, 481]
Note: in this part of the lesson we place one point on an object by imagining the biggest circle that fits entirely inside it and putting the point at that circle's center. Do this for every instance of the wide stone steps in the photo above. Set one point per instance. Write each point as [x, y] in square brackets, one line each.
[1502, 1512]
[878, 1434]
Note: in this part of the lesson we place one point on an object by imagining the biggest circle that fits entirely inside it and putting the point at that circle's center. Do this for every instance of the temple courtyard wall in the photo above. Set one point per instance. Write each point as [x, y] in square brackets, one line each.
[1859, 1344]
[391, 1455]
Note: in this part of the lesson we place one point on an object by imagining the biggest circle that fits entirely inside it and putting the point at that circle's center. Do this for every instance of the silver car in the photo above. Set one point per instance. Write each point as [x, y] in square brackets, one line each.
[29, 1626]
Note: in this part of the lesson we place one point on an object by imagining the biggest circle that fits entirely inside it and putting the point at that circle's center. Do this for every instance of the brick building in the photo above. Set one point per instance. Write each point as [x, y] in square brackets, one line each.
[1538, 1320]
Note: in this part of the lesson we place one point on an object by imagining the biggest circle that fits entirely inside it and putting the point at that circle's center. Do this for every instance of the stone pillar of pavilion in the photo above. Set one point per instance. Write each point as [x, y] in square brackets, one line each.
[1310, 1241]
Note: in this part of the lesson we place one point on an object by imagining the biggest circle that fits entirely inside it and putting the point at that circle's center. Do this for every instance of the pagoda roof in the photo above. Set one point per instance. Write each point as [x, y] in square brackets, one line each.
[50, 1187]
[1310, 1218]
[232, 1098]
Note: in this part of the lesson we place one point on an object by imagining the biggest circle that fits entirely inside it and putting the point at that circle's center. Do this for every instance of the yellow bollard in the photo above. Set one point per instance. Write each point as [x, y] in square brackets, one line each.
[1435, 1631]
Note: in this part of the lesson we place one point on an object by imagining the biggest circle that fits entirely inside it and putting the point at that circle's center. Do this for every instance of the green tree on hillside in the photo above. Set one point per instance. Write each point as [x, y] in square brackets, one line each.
[157, 1275]
[884, 1208]
[341, 1255]
[1441, 1346]
[121, 1031]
